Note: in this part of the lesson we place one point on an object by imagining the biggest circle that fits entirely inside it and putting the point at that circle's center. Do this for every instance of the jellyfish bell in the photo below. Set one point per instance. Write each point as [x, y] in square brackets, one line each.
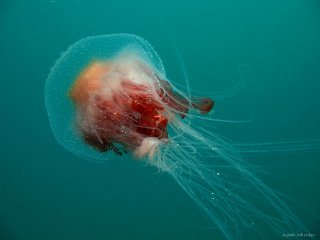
[109, 95]
[89, 56]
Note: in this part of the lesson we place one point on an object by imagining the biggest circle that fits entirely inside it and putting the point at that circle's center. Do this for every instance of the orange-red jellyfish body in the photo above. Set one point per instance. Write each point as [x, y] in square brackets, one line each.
[137, 112]
[118, 96]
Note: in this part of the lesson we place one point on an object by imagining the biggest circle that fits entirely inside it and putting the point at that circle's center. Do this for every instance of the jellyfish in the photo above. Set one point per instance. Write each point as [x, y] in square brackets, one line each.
[109, 95]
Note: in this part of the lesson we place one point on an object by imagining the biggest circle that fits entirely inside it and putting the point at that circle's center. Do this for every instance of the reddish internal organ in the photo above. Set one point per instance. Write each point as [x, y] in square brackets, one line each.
[136, 112]
[121, 113]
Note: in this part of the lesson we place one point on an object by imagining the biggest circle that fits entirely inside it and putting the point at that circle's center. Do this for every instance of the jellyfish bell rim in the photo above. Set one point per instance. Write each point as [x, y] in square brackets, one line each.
[66, 70]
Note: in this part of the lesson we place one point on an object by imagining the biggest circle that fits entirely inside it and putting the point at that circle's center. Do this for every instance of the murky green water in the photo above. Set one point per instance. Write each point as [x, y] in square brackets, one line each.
[272, 46]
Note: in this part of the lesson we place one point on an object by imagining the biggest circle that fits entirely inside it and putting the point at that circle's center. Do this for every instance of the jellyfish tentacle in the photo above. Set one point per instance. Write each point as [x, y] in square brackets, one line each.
[212, 179]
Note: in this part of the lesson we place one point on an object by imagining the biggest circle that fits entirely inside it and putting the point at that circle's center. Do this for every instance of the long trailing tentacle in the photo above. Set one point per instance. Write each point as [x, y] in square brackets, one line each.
[223, 185]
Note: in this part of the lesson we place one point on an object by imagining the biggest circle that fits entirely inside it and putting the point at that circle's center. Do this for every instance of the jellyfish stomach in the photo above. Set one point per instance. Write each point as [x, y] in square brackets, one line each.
[120, 103]
[128, 115]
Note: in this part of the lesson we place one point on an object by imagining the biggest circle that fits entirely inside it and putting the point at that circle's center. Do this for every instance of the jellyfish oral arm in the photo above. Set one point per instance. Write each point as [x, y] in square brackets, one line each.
[119, 102]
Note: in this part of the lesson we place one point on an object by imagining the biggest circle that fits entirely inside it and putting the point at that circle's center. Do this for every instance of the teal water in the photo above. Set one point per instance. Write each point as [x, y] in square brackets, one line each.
[48, 193]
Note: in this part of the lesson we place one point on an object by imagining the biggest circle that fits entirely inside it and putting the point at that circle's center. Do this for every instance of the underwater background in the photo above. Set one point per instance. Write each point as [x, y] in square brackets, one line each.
[272, 46]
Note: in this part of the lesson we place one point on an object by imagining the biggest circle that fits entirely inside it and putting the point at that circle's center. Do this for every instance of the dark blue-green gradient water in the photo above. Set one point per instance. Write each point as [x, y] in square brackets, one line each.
[273, 46]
